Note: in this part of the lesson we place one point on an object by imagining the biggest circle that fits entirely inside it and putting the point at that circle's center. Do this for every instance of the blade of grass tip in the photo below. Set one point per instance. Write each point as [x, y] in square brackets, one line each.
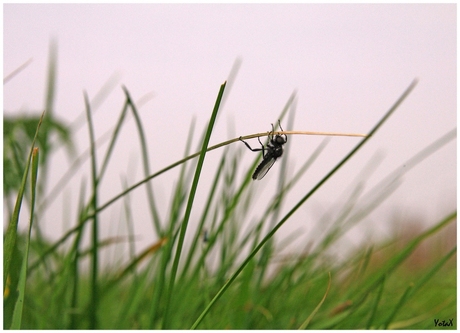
[11, 232]
[145, 163]
[300, 203]
[190, 204]
[16, 71]
[94, 300]
[310, 317]
[100, 96]
[49, 107]
[17, 314]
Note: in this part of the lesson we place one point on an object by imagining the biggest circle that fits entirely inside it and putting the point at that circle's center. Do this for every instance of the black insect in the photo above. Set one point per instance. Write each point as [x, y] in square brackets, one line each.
[270, 153]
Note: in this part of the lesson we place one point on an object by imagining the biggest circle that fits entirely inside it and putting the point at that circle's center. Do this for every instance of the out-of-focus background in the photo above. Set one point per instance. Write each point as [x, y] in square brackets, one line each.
[347, 64]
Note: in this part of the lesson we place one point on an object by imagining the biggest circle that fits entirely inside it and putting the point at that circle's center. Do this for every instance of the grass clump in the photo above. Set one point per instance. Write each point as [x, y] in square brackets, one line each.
[217, 275]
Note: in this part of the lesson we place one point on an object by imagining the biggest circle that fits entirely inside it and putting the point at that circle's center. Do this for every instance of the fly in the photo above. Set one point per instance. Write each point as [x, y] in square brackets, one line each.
[270, 153]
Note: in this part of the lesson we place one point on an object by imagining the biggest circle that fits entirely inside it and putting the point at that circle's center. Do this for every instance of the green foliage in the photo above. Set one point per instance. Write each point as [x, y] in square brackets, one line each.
[218, 275]
[18, 135]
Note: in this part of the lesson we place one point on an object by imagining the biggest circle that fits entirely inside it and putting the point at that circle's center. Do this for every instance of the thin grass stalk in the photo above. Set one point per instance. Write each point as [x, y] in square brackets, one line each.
[376, 304]
[202, 220]
[17, 314]
[113, 140]
[145, 163]
[96, 101]
[94, 298]
[160, 280]
[74, 253]
[11, 232]
[421, 282]
[190, 204]
[300, 203]
[310, 317]
[49, 107]
[398, 306]
[179, 191]
[16, 71]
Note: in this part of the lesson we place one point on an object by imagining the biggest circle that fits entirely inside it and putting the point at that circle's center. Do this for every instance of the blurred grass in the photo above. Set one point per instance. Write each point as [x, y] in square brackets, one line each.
[224, 276]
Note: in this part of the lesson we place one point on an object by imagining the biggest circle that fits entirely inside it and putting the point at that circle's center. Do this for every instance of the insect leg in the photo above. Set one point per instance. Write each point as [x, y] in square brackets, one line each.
[263, 150]
[282, 130]
[247, 145]
[279, 123]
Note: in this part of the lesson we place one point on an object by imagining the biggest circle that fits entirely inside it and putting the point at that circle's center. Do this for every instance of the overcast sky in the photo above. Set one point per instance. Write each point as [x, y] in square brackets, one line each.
[347, 64]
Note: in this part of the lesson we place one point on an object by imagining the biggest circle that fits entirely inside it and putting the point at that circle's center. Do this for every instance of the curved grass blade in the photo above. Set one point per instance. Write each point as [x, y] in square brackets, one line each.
[11, 232]
[145, 162]
[310, 317]
[17, 314]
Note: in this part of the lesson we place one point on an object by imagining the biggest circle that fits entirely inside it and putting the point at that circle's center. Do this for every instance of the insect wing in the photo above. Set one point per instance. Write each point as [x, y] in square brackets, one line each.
[263, 168]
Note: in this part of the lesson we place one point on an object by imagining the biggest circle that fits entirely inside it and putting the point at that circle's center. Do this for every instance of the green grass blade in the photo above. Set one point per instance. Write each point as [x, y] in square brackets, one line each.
[376, 304]
[11, 232]
[310, 317]
[398, 306]
[204, 214]
[74, 265]
[113, 140]
[94, 300]
[17, 314]
[145, 162]
[190, 203]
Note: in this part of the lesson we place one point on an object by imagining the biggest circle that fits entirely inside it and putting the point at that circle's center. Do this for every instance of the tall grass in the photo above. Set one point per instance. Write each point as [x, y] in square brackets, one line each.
[224, 277]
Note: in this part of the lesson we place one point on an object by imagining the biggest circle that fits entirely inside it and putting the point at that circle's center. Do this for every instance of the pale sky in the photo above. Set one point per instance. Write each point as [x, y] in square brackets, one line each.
[347, 63]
